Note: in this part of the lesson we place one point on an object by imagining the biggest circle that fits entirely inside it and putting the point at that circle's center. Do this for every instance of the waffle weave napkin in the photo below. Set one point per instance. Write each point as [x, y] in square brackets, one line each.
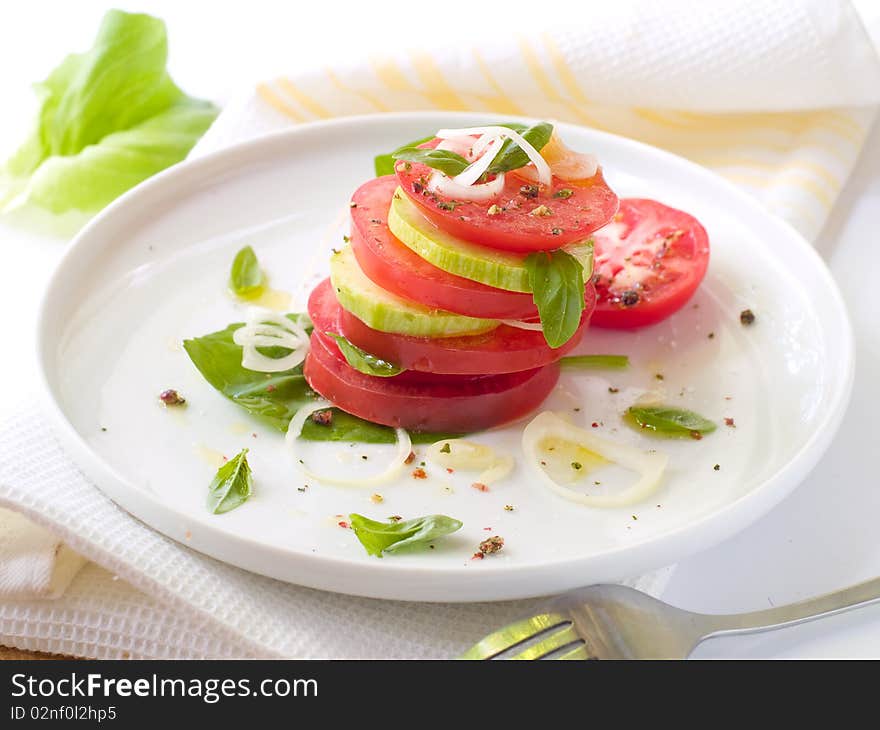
[776, 96]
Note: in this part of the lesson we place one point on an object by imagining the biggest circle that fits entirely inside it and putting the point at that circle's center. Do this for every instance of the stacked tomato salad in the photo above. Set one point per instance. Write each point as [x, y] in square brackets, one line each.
[469, 273]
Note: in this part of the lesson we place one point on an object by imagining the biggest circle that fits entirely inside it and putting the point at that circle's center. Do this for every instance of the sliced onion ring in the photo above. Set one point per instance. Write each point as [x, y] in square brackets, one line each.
[404, 446]
[481, 143]
[545, 177]
[468, 455]
[474, 171]
[565, 163]
[650, 466]
[253, 359]
[264, 328]
[501, 468]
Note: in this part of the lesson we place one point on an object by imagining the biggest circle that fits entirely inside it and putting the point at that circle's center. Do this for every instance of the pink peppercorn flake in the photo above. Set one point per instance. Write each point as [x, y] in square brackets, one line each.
[171, 397]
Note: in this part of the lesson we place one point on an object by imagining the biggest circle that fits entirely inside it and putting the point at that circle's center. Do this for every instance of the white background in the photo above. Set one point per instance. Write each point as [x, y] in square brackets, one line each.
[823, 537]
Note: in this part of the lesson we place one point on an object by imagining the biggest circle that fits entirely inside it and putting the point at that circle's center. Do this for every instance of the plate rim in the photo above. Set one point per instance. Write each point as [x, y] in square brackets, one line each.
[493, 582]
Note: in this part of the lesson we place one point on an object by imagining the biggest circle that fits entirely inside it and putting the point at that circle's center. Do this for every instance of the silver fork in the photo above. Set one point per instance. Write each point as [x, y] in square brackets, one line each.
[616, 622]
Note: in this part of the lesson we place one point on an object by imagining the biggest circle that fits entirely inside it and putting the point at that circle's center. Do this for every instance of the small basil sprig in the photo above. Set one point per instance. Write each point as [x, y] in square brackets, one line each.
[363, 361]
[585, 362]
[669, 421]
[556, 279]
[384, 164]
[511, 156]
[386, 537]
[232, 485]
[246, 277]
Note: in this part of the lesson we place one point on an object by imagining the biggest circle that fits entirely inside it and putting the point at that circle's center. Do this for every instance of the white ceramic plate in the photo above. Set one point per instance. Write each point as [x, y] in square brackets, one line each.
[152, 270]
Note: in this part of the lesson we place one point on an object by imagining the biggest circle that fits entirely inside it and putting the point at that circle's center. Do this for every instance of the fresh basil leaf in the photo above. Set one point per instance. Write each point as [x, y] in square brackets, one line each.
[363, 361]
[556, 279]
[386, 537]
[511, 156]
[584, 362]
[669, 421]
[275, 398]
[107, 119]
[384, 164]
[232, 485]
[446, 161]
[246, 277]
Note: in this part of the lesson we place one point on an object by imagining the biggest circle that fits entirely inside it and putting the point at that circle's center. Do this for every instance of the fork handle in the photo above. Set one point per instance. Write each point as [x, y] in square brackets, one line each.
[861, 594]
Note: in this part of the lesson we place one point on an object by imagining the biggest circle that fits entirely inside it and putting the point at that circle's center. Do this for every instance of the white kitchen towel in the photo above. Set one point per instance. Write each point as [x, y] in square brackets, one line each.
[34, 563]
[777, 96]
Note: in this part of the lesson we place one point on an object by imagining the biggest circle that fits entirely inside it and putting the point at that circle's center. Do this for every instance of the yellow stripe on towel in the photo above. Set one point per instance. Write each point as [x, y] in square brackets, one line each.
[438, 90]
[371, 99]
[563, 72]
[536, 69]
[303, 99]
[499, 103]
[276, 102]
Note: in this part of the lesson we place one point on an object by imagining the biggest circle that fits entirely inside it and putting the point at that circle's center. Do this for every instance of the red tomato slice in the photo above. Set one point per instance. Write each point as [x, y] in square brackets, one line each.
[503, 350]
[396, 268]
[589, 206]
[457, 404]
[648, 263]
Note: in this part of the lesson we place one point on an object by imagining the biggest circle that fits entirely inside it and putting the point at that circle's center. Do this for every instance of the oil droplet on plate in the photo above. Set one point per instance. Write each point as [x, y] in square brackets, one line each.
[210, 456]
[274, 299]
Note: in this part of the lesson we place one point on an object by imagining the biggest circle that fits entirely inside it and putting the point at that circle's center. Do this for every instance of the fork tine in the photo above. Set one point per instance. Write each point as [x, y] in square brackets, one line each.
[576, 653]
[513, 634]
[552, 642]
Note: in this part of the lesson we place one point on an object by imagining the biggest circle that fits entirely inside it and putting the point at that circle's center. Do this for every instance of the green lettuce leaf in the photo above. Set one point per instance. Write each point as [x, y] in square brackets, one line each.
[108, 119]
